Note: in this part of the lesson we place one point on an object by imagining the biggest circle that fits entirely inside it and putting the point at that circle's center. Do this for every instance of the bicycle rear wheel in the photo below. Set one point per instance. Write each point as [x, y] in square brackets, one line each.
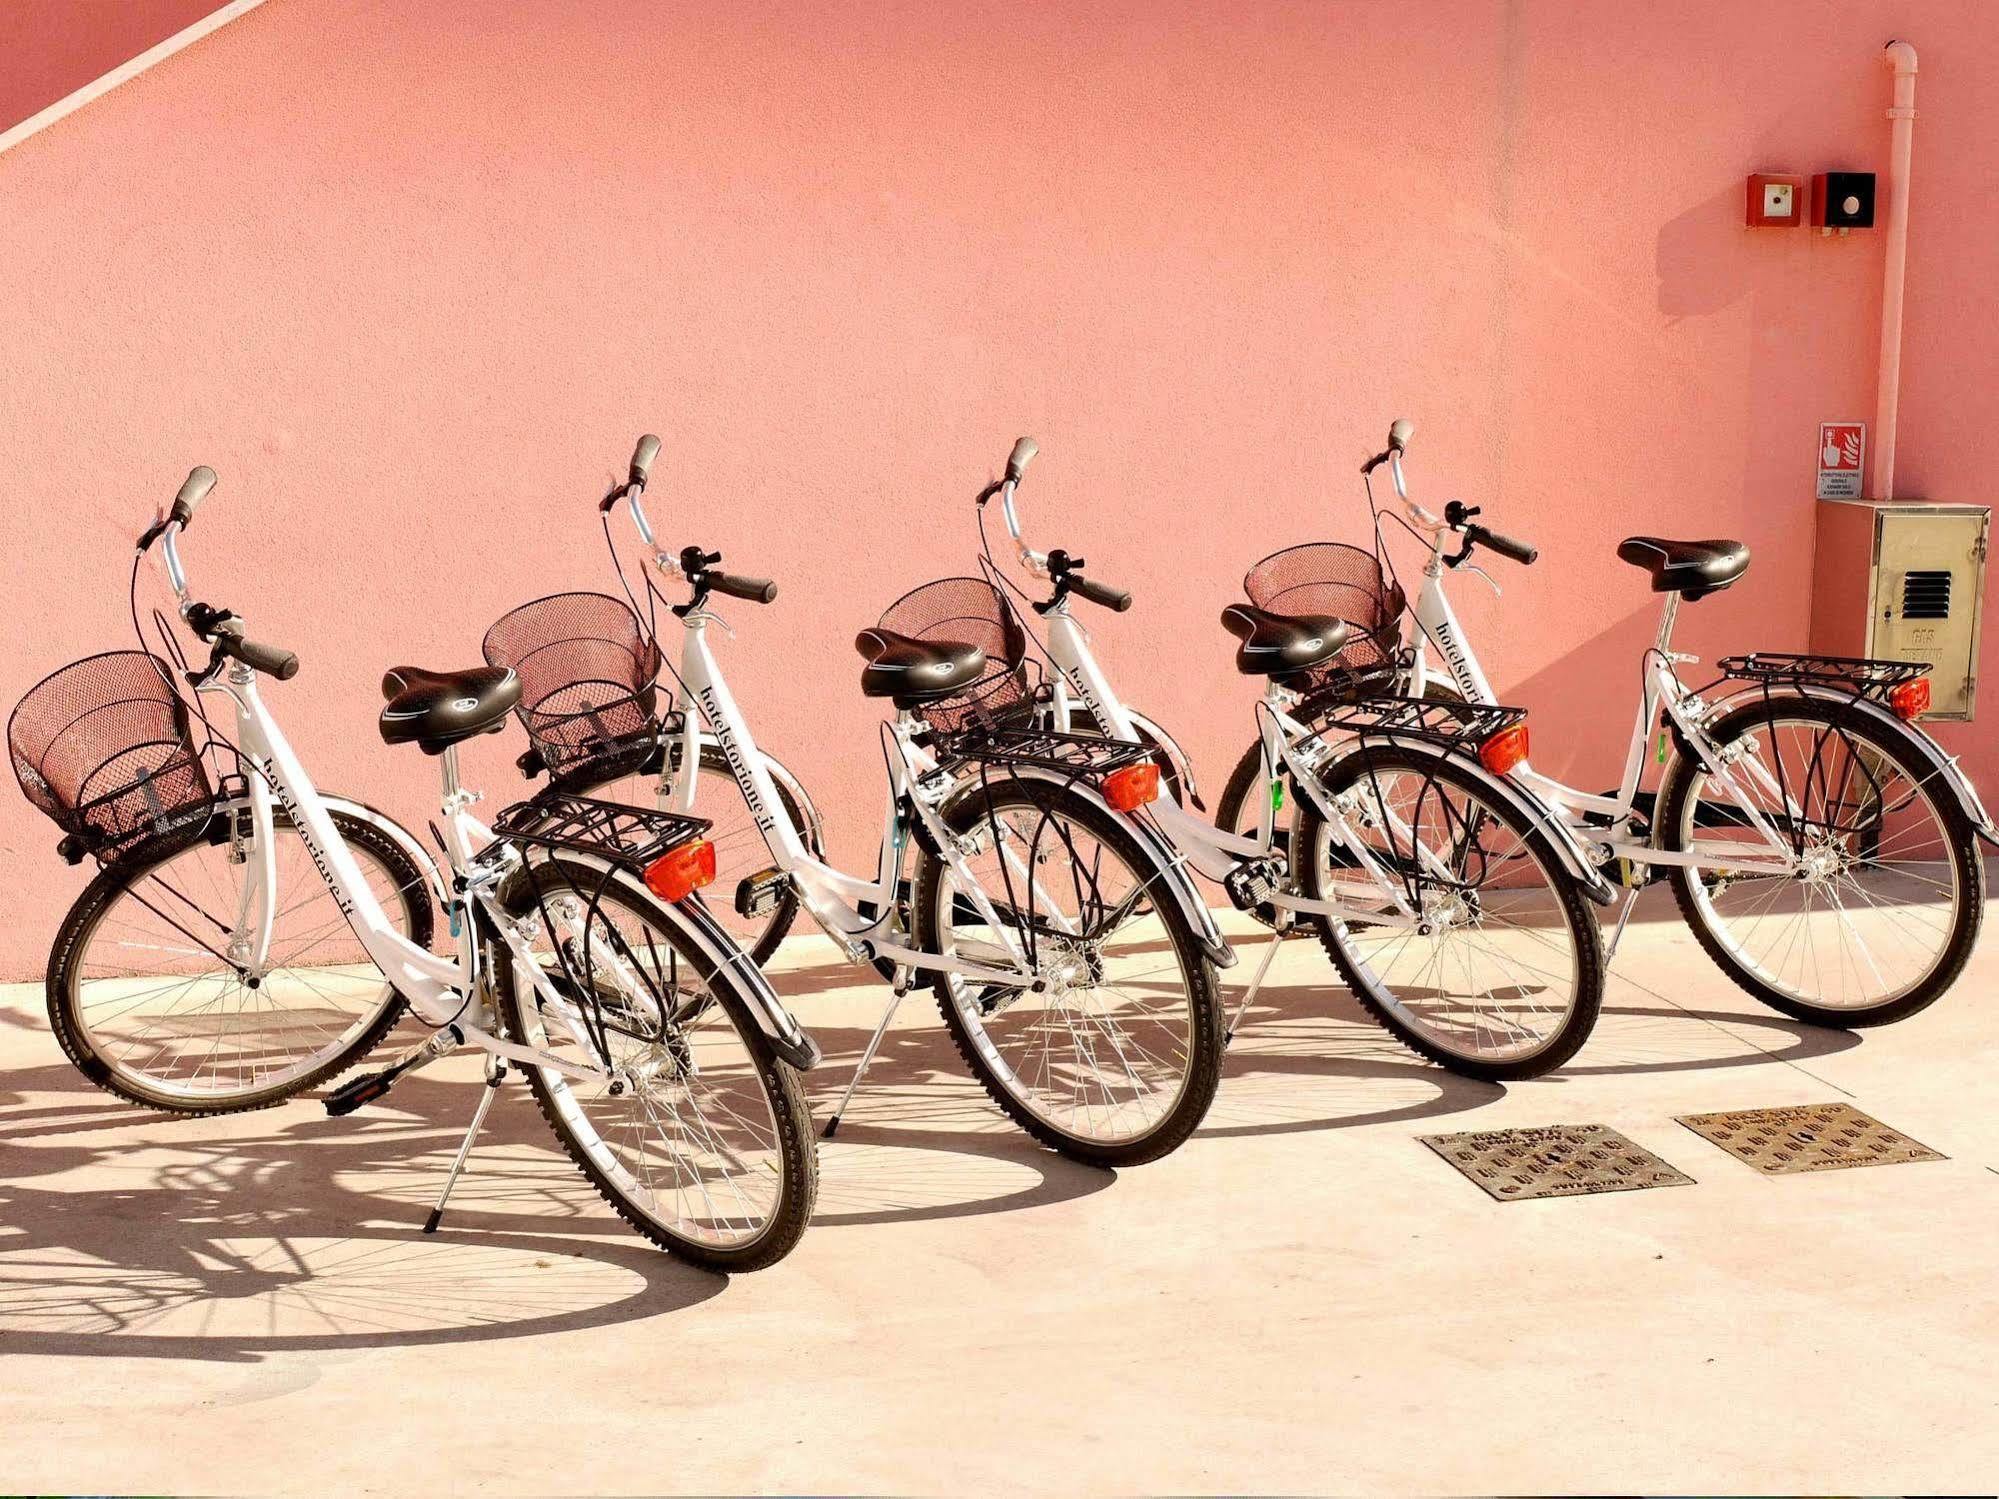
[700, 1138]
[1507, 982]
[150, 1003]
[1881, 913]
[1117, 1059]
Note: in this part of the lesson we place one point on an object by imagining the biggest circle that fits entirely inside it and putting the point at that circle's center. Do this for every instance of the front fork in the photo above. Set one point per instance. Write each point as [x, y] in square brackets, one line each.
[251, 830]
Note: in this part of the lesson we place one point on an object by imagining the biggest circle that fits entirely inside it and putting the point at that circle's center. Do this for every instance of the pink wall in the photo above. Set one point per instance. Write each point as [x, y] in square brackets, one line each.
[411, 274]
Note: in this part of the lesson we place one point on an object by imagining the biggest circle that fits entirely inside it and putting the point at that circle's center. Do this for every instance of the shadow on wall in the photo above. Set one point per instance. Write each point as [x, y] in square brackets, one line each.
[1695, 280]
[1571, 698]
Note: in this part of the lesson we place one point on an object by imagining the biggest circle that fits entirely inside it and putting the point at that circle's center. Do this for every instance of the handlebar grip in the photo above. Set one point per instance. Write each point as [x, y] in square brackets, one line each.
[1506, 546]
[1022, 455]
[756, 590]
[268, 659]
[199, 481]
[642, 457]
[1399, 432]
[1117, 600]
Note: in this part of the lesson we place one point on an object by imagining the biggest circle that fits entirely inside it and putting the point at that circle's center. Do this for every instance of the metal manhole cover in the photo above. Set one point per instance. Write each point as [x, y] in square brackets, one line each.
[1557, 1160]
[1808, 1137]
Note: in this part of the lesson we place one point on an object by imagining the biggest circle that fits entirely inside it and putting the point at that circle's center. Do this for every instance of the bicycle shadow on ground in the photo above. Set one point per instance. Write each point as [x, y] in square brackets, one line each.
[130, 1233]
[141, 1235]
[1308, 1057]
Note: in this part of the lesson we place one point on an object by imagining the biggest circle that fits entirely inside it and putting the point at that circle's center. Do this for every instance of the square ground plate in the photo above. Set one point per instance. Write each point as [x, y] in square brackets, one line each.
[1557, 1160]
[1808, 1137]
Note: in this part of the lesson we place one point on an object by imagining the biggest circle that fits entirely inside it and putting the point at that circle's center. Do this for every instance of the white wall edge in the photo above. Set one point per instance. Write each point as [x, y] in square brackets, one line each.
[68, 105]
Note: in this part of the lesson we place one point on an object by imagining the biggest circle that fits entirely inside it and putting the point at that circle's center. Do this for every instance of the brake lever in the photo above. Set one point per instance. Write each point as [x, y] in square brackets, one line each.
[1473, 567]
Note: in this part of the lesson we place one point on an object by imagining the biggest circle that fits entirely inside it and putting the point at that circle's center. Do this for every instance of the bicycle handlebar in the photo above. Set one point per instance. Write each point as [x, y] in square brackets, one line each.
[224, 631]
[1067, 572]
[200, 480]
[756, 590]
[271, 660]
[642, 457]
[1520, 551]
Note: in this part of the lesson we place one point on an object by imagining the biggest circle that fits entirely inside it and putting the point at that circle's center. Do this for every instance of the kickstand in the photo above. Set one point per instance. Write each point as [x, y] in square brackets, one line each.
[874, 1041]
[1276, 940]
[1623, 916]
[496, 1071]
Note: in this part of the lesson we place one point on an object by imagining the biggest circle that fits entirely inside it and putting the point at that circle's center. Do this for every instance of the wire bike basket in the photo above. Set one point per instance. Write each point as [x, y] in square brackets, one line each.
[973, 612]
[104, 747]
[587, 669]
[1345, 582]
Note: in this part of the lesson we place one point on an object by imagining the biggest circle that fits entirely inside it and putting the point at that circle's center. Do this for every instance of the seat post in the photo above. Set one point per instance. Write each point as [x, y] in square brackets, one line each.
[447, 764]
[1664, 644]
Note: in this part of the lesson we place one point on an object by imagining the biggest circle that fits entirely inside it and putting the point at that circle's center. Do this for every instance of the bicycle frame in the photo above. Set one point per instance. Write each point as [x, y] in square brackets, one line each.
[859, 914]
[439, 989]
[1662, 695]
[1212, 852]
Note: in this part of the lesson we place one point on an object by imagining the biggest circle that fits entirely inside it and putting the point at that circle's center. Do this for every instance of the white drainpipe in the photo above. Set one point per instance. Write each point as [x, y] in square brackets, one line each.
[1902, 58]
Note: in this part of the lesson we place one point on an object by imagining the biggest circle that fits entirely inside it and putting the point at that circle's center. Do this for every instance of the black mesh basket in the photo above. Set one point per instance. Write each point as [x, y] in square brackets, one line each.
[104, 747]
[587, 669]
[970, 611]
[1329, 577]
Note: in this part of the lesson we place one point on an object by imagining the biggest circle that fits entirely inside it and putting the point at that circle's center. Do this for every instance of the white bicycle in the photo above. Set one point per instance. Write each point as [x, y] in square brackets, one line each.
[1452, 903]
[247, 940]
[1072, 960]
[1823, 849]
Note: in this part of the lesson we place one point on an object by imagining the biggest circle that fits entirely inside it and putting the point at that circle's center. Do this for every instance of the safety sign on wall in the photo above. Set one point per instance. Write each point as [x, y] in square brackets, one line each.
[1842, 445]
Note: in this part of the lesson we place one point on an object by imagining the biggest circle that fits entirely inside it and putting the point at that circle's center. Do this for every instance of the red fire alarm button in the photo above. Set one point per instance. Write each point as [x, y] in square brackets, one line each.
[1776, 198]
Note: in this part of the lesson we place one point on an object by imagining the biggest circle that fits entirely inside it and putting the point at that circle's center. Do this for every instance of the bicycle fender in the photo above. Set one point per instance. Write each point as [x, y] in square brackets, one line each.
[401, 836]
[1172, 868]
[1183, 769]
[1944, 768]
[1523, 803]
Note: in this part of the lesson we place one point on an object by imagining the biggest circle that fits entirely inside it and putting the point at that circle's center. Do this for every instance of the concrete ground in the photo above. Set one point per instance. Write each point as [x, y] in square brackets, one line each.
[1302, 1298]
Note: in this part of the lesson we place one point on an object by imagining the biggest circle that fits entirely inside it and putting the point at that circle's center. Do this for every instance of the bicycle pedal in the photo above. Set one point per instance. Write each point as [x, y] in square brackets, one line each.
[356, 1092]
[1251, 883]
[758, 894]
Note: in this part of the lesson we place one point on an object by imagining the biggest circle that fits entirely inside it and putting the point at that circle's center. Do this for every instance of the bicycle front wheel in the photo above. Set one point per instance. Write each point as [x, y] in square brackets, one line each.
[1882, 906]
[156, 996]
[696, 1132]
[1500, 977]
[1116, 1059]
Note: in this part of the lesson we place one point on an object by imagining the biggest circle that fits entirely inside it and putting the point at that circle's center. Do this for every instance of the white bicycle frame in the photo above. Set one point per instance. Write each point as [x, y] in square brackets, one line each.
[833, 897]
[1209, 850]
[439, 989]
[1434, 621]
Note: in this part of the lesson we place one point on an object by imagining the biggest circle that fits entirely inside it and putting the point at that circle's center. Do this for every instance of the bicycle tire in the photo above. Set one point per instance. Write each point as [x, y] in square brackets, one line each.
[783, 1092]
[1205, 1043]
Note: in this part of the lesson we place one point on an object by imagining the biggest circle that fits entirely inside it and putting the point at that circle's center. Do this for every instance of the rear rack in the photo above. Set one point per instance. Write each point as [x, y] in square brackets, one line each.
[1448, 724]
[628, 836]
[1042, 749]
[1866, 677]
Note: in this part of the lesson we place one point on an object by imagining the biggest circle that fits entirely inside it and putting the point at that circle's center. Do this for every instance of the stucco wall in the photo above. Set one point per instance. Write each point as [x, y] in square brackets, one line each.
[412, 273]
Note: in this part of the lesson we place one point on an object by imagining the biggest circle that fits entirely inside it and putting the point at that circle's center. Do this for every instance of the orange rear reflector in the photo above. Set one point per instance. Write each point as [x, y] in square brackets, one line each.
[1910, 699]
[1131, 787]
[679, 873]
[1504, 750]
